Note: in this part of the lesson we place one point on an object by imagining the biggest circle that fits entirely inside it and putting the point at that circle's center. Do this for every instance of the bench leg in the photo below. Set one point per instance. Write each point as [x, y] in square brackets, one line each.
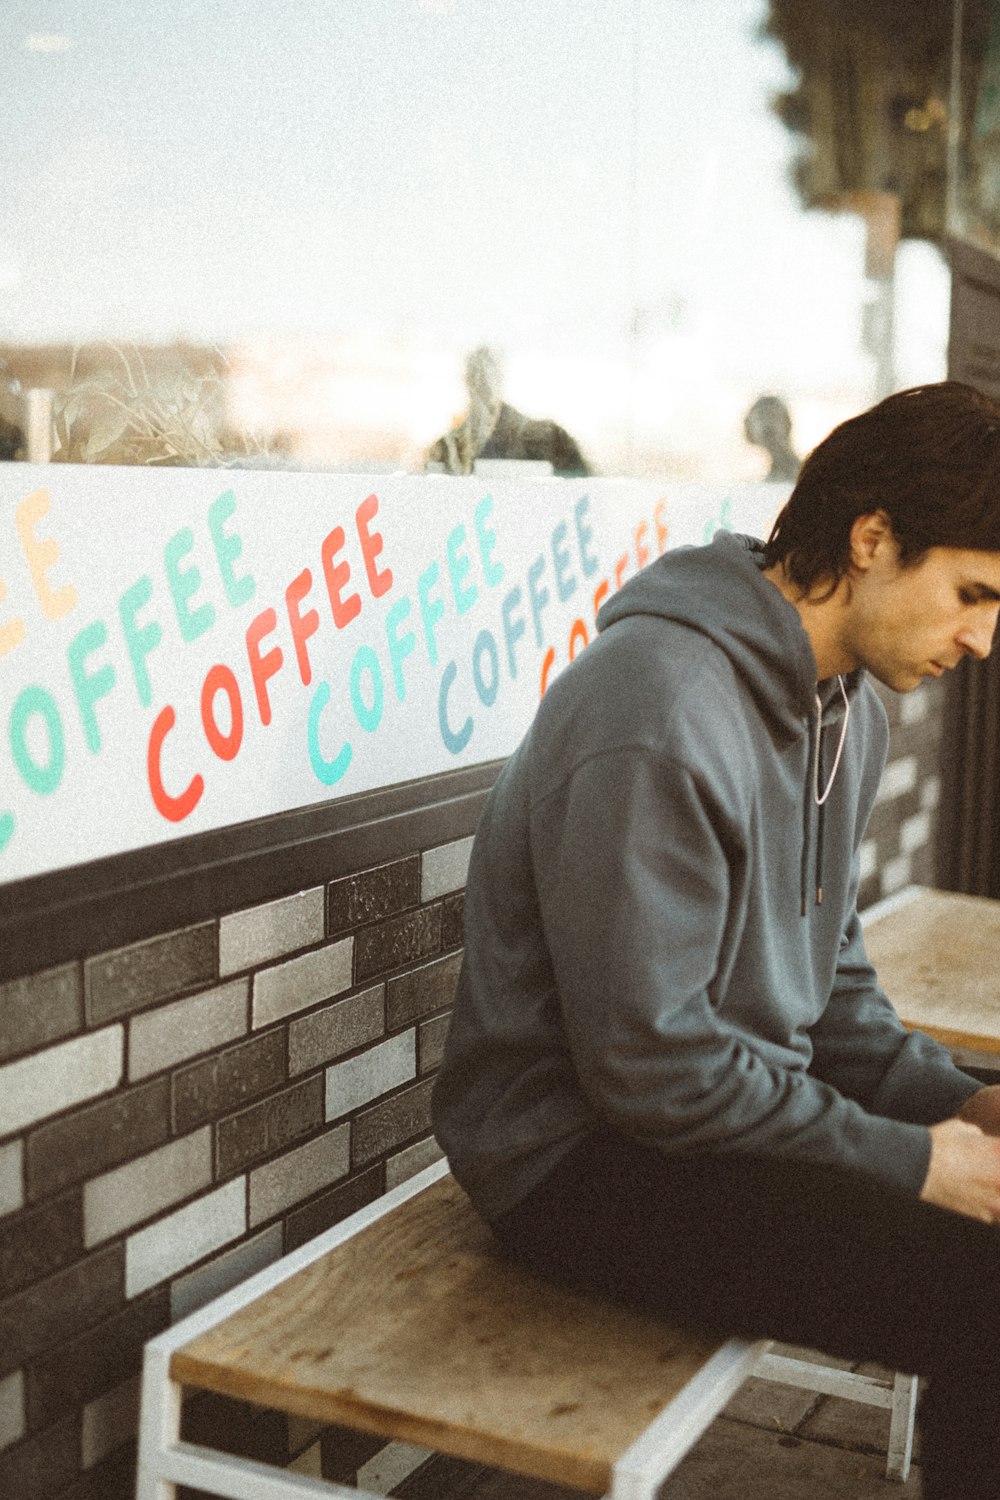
[159, 1426]
[904, 1408]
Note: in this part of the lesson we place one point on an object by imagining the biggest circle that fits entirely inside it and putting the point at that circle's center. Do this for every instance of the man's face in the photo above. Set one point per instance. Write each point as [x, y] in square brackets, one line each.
[908, 623]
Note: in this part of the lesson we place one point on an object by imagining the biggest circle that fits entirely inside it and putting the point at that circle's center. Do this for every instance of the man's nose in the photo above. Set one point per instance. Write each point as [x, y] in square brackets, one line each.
[977, 640]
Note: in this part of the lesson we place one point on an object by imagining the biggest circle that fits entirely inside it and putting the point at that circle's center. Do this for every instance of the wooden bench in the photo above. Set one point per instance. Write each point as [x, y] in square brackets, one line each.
[405, 1321]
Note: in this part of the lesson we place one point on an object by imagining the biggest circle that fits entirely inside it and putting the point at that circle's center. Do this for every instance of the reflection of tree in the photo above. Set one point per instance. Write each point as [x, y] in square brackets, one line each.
[872, 102]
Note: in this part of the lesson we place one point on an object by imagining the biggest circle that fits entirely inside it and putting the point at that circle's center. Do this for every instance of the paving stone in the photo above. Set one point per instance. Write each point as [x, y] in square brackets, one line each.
[777, 1407]
[852, 1424]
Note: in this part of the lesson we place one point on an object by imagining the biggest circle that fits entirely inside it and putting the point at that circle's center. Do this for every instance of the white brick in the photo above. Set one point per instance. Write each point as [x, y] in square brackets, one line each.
[290, 987]
[11, 1178]
[198, 1287]
[915, 832]
[298, 1174]
[144, 1187]
[895, 874]
[868, 858]
[413, 1159]
[109, 1422]
[172, 1033]
[156, 1253]
[253, 937]
[914, 707]
[59, 1077]
[390, 1466]
[11, 1408]
[363, 1078]
[930, 792]
[444, 869]
[898, 777]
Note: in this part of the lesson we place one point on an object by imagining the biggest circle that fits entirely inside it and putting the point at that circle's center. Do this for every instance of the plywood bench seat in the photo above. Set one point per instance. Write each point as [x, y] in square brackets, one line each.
[406, 1322]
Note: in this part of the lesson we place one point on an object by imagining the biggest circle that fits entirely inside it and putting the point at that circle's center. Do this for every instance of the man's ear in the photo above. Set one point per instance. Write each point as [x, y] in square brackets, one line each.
[871, 535]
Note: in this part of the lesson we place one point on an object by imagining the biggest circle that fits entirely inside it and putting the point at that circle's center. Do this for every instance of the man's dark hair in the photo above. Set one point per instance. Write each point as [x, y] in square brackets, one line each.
[929, 458]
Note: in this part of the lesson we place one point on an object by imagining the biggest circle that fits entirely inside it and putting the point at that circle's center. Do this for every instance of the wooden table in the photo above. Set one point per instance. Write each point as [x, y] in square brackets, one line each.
[937, 955]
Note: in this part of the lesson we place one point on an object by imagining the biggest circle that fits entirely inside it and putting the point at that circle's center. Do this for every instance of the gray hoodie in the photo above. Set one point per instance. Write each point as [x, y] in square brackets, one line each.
[661, 930]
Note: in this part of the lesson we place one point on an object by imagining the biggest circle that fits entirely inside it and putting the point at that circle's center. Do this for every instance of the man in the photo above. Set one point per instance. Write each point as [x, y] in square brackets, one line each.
[671, 1074]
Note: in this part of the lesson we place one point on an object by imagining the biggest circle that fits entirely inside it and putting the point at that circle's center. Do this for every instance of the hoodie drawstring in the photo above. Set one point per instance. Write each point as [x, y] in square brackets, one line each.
[819, 798]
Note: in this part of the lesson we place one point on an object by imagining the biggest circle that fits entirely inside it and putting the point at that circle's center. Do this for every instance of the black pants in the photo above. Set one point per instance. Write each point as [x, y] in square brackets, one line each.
[802, 1254]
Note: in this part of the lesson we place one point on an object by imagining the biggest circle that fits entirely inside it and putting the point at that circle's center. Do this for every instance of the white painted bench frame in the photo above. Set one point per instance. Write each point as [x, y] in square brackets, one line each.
[166, 1461]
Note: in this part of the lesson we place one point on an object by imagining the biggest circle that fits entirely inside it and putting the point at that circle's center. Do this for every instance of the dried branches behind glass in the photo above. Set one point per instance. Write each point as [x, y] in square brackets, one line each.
[125, 414]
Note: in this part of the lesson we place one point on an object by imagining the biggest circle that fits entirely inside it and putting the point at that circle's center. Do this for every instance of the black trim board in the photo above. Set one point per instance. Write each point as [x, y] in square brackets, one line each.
[108, 903]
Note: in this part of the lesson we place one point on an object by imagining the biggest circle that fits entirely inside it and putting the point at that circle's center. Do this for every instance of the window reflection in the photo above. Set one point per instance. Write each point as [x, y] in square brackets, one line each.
[269, 235]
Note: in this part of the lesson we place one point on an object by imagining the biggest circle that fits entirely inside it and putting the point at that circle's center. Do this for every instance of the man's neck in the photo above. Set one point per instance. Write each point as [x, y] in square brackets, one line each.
[822, 620]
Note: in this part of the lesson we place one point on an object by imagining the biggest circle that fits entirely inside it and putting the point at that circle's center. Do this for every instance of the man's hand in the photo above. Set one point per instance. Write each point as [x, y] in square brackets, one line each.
[983, 1109]
[964, 1170]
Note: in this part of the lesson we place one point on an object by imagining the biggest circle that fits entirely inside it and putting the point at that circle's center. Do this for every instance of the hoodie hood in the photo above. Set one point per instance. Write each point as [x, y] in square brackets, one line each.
[721, 592]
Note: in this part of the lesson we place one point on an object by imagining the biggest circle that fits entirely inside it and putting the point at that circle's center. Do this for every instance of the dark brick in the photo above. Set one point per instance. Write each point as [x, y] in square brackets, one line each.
[322, 1213]
[234, 1426]
[343, 1452]
[325, 1034]
[112, 1479]
[269, 1126]
[390, 1124]
[373, 894]
[89, 1141]
[401, 940]
[453, 920]
[40, 1242]
[63, 1305]
[422, 991]
[40, 1009]
[130, 979]
[445, 1478]
[94, 1362]
[221, 1083]
[430, 1042]
[43, 1465]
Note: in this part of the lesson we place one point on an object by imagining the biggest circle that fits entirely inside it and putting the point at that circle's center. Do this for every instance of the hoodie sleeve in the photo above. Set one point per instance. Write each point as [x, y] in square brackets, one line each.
[633, 864]
[862, 1048]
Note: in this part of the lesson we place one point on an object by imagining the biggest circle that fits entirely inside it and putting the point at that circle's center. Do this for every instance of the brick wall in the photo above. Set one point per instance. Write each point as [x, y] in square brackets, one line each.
[179, 1111]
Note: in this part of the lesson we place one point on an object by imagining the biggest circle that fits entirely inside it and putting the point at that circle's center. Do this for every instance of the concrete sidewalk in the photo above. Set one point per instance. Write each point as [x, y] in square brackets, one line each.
[772, 1442]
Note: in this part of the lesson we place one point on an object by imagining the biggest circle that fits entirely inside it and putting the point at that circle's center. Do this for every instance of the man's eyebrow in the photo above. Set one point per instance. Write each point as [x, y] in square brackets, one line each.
[983, 592]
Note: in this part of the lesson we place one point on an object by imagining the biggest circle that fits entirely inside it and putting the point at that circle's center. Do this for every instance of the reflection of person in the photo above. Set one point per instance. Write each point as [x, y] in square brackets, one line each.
[768, 425]
[671, 1074]
[494, 429]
